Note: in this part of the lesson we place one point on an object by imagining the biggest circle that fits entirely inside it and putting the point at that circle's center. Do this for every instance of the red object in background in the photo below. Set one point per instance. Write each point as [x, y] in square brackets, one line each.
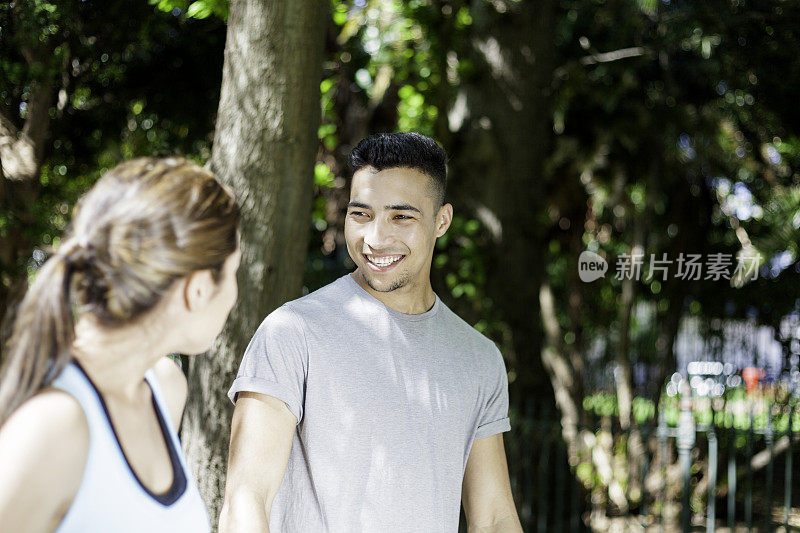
[751, 376]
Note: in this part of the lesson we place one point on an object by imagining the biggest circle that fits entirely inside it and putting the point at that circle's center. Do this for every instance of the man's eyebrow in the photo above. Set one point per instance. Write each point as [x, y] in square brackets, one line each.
[358, 205]
[402, 207]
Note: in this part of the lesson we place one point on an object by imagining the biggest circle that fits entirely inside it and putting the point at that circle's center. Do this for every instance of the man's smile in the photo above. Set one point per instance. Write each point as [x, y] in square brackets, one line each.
[382, 263]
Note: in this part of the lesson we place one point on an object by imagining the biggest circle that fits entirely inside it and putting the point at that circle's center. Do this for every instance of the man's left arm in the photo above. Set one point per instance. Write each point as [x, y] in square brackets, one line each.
[486, 491]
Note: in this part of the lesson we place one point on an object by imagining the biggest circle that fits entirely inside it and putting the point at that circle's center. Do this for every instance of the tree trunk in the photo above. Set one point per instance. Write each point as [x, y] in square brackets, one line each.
[264, 148]
[22, 153]
[499, 171]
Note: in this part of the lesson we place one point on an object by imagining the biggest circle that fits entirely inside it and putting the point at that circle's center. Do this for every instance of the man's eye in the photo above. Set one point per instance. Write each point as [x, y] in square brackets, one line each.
[402, 217]
[357, 214]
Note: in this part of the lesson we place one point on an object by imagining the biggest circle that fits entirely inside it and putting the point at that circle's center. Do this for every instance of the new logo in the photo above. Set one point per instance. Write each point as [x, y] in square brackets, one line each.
[591, 266]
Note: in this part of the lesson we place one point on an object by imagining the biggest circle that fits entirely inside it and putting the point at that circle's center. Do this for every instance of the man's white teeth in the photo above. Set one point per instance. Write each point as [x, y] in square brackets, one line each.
[383, 261]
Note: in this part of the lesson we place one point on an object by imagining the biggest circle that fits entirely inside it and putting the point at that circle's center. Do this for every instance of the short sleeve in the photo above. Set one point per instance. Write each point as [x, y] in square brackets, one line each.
[275, 362]
[493, 417]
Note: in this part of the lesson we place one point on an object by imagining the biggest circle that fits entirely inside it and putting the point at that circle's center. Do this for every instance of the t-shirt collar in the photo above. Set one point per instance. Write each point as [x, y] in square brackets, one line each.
[367, 297]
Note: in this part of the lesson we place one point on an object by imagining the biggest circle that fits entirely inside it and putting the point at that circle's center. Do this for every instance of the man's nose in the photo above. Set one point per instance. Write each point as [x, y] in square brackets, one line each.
[378, 235]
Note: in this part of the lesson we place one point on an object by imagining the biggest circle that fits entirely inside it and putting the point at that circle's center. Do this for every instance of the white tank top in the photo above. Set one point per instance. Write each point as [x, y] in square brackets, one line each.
[111, 497]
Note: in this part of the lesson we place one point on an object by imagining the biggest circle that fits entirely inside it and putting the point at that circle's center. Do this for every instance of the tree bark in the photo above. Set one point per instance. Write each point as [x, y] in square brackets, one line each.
[503, 116]
[264, 148]
[22, 152]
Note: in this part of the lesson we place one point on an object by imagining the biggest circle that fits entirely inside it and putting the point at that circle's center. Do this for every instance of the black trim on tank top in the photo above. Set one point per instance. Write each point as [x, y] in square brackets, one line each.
[179, 482]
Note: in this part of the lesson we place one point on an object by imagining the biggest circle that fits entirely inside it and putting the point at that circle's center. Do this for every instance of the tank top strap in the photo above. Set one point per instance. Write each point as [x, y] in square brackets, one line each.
[159, 400]
[74, 381]
[161, 404]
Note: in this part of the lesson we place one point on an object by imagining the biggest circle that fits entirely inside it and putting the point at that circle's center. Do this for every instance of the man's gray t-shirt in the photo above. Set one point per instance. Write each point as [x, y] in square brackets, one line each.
[388, 405]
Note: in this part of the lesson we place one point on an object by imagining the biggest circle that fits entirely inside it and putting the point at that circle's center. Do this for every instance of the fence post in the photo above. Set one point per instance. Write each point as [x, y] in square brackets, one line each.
[559, 491]
[787, 486]
[712, 474]
[768, 437]
[527, 428]
[662, 433]
[732, 476]
[686, 439]
[748, 497]
[573, 502]
[544, 461]
[645, 470]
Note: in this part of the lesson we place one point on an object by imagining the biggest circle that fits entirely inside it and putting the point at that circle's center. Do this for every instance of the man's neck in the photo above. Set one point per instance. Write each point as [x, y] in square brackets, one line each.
[412, 299]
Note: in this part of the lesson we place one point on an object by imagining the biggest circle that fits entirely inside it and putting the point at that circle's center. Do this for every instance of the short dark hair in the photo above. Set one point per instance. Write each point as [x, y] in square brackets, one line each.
[403, 149]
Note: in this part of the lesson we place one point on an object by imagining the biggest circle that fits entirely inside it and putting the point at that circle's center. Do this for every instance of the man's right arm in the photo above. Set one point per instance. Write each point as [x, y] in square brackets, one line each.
[262, 431]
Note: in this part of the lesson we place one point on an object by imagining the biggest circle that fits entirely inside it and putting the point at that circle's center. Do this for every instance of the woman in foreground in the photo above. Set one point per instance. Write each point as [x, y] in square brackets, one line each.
[89, 401]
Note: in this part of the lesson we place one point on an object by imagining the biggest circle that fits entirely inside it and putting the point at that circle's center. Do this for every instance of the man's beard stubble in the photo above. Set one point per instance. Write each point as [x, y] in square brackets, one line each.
[400, 282]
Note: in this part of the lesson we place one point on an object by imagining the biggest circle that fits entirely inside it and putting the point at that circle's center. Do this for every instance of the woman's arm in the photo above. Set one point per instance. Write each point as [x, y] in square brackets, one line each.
[43, 450]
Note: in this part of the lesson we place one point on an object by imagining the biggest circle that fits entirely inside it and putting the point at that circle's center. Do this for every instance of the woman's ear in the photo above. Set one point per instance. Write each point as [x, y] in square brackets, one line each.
[198, 289]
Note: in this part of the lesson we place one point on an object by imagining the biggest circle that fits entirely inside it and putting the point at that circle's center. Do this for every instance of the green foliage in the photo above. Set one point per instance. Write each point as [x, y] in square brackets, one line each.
[323, 177]
[198, 9]
[148, 86]
[414, 114]
[732, 412]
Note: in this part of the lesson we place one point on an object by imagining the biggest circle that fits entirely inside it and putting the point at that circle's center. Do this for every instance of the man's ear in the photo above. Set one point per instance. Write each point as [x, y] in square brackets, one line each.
[443, 219]
[198, 289]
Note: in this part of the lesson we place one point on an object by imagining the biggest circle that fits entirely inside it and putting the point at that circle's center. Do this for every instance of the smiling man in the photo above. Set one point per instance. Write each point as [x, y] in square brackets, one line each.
[368, 405]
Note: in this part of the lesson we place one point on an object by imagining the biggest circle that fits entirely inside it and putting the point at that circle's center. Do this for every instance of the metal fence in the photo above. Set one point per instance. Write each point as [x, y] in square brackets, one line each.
[746, 474]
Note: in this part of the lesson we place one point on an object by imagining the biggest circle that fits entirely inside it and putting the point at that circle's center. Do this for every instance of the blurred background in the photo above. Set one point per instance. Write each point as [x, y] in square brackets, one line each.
[661, 135]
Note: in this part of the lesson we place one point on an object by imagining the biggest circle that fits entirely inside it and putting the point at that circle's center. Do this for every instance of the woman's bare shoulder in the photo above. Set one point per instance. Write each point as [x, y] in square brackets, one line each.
[43, 450]
[51, 416]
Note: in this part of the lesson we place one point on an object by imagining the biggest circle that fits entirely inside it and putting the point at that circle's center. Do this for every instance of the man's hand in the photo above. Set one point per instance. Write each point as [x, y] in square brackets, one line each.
[261, 438]
[486, 492]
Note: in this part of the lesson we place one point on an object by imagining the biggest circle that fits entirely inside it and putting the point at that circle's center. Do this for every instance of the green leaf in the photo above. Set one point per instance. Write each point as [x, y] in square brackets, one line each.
[323, 177]
[199, 10]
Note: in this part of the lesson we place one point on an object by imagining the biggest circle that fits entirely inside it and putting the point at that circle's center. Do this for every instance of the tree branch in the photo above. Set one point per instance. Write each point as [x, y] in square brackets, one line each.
[557, 364]
[22, 152]
[616, 55]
